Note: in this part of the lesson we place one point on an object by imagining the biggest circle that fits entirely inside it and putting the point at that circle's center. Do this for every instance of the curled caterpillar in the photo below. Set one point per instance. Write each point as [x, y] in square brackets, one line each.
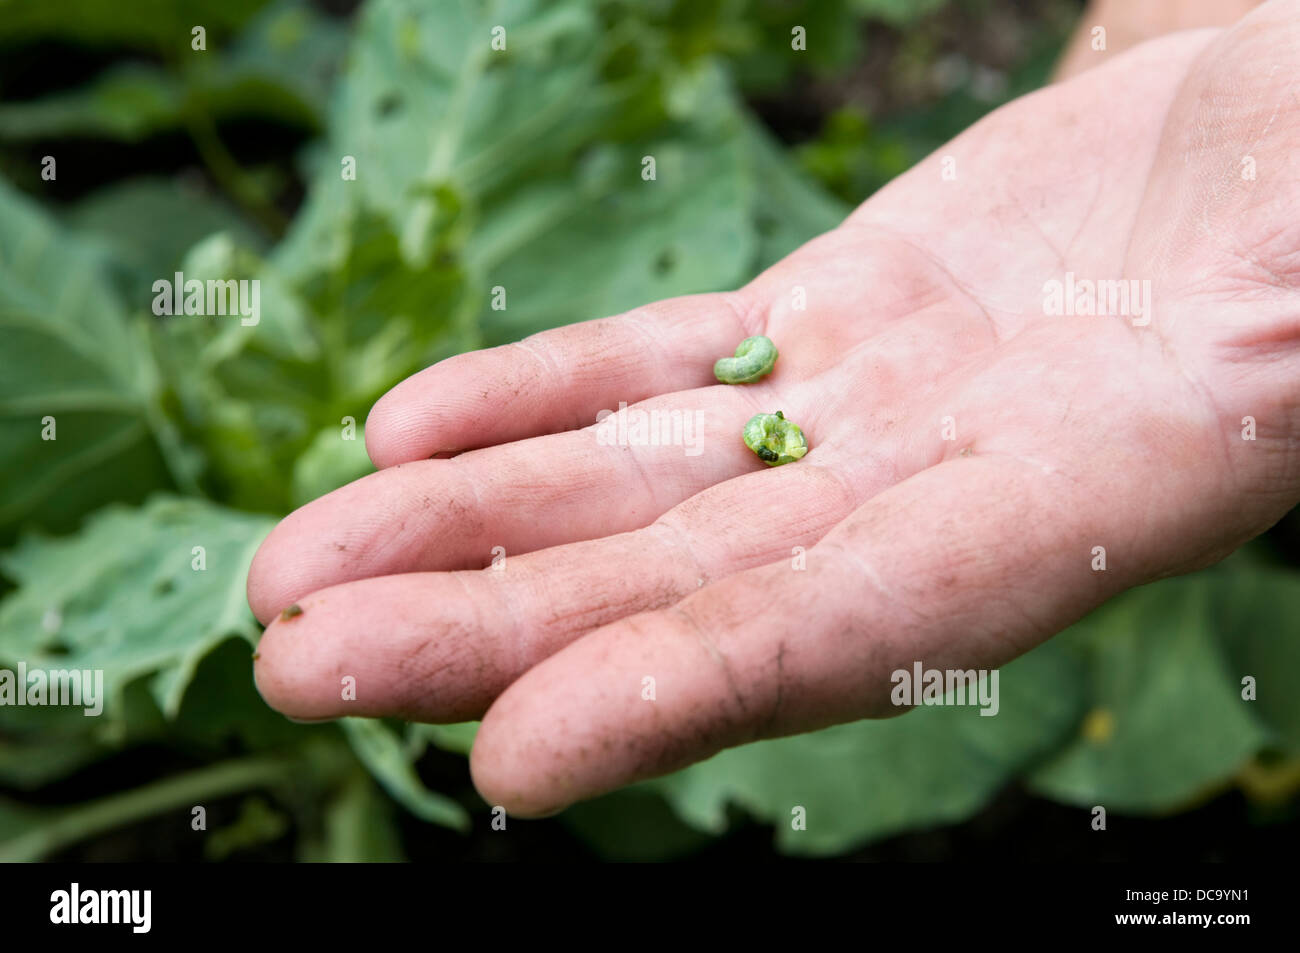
[775, 439]
[755, 358]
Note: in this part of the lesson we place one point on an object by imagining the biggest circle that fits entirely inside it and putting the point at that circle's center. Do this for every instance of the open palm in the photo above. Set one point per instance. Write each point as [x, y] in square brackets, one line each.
[974, 456]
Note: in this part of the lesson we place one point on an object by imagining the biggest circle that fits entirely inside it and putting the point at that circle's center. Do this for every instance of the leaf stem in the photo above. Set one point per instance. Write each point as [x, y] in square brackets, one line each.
[79, 822]
[228, 172]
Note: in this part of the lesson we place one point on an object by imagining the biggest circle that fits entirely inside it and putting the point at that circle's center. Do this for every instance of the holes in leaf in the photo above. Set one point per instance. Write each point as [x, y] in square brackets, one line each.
[665, 262]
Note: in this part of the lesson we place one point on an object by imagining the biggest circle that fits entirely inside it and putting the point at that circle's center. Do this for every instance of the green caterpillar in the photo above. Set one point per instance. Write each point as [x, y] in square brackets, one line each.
[755, 358]
[775, 439]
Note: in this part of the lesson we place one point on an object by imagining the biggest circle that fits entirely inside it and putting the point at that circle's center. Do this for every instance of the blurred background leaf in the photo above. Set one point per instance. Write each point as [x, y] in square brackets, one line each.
[156, 606]
[1166, 715]
[67, 352]
[869, 779]
[279, 67]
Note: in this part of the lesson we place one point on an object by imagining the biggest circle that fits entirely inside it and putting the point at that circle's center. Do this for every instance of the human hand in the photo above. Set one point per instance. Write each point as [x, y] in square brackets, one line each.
[1126, 23]
[1071, 432]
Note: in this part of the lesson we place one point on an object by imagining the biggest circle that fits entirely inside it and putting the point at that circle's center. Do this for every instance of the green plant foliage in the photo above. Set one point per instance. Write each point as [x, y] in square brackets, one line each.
[458, 738]
[328, 463]
[634, 824]
[793, 208]
[1138, 708]
[69, 352]
[329, 344]
[359, 827]
[1168, 718]
[593, 104]
[38, 747]
[389, 758]
[141, 25]
[143, 228]
[28, 833]
[685, 231]
[851, 157]
[258, 823]
[89, 602]
[869, 779]
[1258, 617]
[278, 68]
[897, 12]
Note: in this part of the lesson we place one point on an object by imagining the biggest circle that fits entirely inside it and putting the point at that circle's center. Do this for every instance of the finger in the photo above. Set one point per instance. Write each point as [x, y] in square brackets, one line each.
[440, 647]
[514, 498]
[557, 380]
[547, 491]
[964, 565]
